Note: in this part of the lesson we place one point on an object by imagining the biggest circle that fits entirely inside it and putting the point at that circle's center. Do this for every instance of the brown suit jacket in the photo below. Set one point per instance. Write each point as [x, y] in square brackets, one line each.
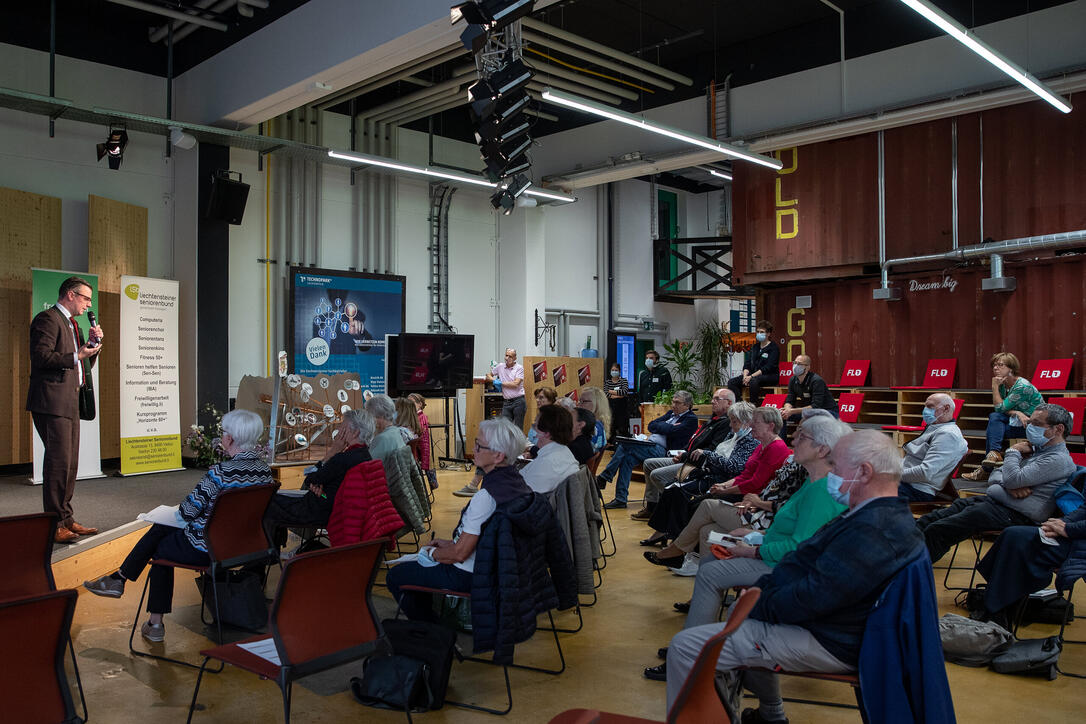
[54, 379]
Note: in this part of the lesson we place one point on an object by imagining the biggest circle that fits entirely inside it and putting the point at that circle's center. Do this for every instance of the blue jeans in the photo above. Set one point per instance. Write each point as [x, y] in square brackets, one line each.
[999, 429]
[419, 606]
[625, 459]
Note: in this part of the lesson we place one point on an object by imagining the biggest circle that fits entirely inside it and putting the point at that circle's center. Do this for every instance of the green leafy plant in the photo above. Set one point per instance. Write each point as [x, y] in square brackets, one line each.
[663, 397]
[712, 344]
[682, 360]
[204, 440]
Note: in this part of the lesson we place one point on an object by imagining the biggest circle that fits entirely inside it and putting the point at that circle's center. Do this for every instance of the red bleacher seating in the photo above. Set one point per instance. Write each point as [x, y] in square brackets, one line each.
[855, 373]
[917, 428]
[785, 376]
[849, 405]
[1052, 374]
[939, 376]
[1079, 459]
[1076, 406]
[774, 401]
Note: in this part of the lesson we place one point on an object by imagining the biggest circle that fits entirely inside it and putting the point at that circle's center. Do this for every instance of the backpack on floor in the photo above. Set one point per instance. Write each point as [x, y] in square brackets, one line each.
[972, 643]
[1030, 656]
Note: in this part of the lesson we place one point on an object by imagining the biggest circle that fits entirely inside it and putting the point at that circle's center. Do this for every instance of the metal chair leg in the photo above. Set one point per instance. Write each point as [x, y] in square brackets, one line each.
[498, 712]
[78, 679]
[147, 655]
[580, 623]
[196, 690]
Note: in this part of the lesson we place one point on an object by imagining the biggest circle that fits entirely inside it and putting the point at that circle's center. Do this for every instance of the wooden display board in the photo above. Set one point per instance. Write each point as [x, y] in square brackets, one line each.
[567, 375]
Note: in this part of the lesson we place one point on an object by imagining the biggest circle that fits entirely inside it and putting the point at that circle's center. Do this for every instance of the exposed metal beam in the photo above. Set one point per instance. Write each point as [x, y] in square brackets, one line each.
[158, 10]
[390, 76]
[547, 70]
[596, 59]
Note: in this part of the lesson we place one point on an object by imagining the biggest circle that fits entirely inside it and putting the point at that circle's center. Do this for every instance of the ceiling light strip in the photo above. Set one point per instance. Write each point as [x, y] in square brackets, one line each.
[583, 104]
[955, 30]
[368, 160]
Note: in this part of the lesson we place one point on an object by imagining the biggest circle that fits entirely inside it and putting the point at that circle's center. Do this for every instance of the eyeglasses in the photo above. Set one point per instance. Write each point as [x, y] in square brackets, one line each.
[84, 296]
[801, 436]
[479, 447]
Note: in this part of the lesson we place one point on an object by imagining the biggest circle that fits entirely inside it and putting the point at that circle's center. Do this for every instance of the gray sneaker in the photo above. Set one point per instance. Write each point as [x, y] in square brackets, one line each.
[466, 492]
[107, 586]
[689, 566]
[153, 632]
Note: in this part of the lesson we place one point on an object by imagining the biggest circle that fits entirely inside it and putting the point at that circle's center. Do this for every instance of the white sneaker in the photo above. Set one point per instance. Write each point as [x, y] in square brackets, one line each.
[689, 567]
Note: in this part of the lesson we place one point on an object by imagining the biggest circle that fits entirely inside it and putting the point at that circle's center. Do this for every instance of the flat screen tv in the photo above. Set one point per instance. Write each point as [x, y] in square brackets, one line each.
[430, 363]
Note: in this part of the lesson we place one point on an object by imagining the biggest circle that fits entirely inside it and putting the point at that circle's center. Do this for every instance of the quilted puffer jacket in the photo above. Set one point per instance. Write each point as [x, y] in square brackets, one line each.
[522, 569]
[363, 509]
[406, 487]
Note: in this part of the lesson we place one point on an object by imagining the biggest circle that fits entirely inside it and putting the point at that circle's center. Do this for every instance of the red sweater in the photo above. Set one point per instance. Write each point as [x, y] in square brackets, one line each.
[762, 466]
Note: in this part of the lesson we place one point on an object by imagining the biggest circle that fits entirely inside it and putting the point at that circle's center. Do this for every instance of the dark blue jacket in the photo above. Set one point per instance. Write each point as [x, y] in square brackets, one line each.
[902, 674]
[831, 581]
[522, 568]
[678, 429]
[1074, 567]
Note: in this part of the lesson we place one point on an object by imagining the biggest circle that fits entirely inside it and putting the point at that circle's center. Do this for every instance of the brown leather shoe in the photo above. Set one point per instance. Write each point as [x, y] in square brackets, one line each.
[82, 529]
[65, 536]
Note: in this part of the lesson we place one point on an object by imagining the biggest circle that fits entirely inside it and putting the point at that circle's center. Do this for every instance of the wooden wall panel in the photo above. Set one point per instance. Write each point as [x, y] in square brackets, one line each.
[29, 236]
[919, 189]
[15, 422]
[117, 241]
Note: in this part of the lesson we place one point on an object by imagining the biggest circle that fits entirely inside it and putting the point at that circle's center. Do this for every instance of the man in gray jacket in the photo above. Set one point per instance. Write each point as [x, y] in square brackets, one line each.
[931, 458]
[1020, 492]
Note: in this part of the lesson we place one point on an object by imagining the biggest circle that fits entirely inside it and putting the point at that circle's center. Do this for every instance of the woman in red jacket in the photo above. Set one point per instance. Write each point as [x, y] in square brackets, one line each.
[424, 439]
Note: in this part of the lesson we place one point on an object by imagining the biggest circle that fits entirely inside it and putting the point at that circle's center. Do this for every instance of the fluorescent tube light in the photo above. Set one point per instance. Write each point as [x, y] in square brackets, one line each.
[721, 174]
[582, 104]
[366, 159]
[955, 30]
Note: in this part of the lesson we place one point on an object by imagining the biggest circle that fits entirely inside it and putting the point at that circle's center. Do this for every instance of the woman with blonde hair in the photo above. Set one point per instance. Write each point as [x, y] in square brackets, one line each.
[595, 401]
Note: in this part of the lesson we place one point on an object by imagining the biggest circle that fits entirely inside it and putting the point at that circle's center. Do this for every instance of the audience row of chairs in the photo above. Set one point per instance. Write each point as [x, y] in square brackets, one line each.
[1050, 374]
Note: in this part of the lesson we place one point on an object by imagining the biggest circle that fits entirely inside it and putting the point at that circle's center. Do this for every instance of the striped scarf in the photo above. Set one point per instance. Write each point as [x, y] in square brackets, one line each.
[247, 468]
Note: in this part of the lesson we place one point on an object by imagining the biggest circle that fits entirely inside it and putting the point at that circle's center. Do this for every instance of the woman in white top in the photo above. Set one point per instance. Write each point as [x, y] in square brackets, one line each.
[448, 564]
[553, 462]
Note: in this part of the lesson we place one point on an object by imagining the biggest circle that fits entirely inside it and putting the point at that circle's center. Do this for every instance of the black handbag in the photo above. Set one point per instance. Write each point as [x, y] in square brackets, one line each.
[430, 643]
[87, 409]
[396, 682]
[1030, 656]
[241, 601]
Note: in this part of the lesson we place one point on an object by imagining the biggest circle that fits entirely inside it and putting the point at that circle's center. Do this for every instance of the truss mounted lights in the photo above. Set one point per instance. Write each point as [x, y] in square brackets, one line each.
[957, 31]
[583, 104]
[492, 110]
[113, 148]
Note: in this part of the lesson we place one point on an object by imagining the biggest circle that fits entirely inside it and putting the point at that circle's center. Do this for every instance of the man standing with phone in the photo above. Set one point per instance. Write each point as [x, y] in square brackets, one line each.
[60, 361]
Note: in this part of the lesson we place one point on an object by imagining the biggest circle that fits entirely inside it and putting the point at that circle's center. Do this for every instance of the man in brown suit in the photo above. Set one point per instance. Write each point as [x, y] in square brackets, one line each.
[59, 362]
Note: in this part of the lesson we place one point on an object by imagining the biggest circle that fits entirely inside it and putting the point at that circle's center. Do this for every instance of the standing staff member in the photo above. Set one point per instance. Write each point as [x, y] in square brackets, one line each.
[60, 361]
[654, 378]
[511, 377]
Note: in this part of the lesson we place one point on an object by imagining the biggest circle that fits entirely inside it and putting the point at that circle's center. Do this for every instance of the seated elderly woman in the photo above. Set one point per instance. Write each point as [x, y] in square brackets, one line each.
[595, 399]
[349, 447]
[387, 437]
[553, 462]
[1014, 399]
[810, 508]
[244, 466]
[449, 564]
[677, 505]
[755, 511]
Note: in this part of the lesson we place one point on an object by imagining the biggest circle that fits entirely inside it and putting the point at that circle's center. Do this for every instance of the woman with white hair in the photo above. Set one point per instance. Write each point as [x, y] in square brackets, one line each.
[244, 466]
[449, 564]
[387, 437]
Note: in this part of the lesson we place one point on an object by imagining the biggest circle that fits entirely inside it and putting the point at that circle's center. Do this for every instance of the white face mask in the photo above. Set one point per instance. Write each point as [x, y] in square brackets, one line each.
[614, 373]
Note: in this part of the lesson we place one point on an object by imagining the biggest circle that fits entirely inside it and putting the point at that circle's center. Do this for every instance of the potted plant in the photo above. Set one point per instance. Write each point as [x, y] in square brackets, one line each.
[682, 360]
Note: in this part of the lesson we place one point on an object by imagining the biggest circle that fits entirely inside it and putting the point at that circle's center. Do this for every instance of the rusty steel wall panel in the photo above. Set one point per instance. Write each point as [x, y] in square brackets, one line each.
[820, 211]
[919, 188]
[969, 179]
[1042, 319]
[1034, 171]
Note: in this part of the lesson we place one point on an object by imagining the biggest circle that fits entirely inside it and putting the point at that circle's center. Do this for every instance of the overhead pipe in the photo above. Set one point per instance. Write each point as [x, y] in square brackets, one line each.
[189, 28]
[841, 37]
[595, 59]
[169, 13]
[554, 71]
[456, 103]
[540, 26]
[578, 90]
[419, 105]
[422, 94]
[390, 76]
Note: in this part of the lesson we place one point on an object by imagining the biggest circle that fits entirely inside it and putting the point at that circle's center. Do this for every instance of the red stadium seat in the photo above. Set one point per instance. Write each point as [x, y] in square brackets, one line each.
[784, 376]
[849, 406]
[1076, 406]
[774, 401]
[1052, 374]
[855, 373]
[939, 376]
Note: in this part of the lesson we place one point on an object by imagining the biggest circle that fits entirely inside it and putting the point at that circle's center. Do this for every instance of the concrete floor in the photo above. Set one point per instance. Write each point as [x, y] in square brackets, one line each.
[622, 632]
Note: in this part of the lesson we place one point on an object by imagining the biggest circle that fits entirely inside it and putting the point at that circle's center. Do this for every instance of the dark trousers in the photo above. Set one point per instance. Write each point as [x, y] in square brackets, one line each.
[735, 384]
[60, 436]
[620, 416]
[1019, 564]
[964, 518]
[513, 410]
[306, 511]
[908, 492]
[419, 606]
[161, 541]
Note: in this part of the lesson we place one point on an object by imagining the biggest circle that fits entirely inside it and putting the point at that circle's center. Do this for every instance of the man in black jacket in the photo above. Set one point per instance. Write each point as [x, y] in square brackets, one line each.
[662, 472]
[814, 605]
[807, 389]
[760, 368]
[654, 378]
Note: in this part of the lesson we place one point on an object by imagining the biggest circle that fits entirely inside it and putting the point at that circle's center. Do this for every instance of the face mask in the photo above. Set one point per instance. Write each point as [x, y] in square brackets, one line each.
[1036, 436]
[614, 373]
[649, 362]
[928, 414]
[833, 487]
[798, 370]
[761, 336]
[754, 539]
[743, 431]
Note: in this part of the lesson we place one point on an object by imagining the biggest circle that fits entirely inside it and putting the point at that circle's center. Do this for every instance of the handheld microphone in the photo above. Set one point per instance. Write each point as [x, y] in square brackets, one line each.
[93, 341]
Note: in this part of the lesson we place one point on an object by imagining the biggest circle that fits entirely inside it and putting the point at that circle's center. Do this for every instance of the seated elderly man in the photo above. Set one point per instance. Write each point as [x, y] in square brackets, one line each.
[814, 605]
[387, 437]
[553, 462]
[931, 458]
[1020, 492]
[662, 472]
[671, 431]
[806, 389]
[349, 447]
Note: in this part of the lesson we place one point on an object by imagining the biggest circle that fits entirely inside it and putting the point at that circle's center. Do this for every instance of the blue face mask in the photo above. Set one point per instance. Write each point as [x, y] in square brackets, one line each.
[761, 336]
[1036, 436]
[833, 487]
[928, 414]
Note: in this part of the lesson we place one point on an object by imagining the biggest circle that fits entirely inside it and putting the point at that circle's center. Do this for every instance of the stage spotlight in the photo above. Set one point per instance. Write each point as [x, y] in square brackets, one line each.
[114, 147]
[512, 77]
[491, 110]
[491, 14]
[518, 185]
[503, 200]
[498, 169]
[499, 133]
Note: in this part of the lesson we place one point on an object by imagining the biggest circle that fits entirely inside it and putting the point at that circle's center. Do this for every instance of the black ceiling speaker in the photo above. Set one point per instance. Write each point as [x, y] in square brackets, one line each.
[228, 197]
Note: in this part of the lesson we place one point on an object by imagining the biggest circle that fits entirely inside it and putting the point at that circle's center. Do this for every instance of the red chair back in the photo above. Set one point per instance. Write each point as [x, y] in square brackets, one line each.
[1052, 374]
[958, 403]
[26, 550]
[1076, 406]
[855, 373]
[776, 400]
[235, 527]
[35, 687]
[593, 462]
[698, 701]
[785, 375]
[1079, 459]
[940, 373]
[324, 608]
[849, 406]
